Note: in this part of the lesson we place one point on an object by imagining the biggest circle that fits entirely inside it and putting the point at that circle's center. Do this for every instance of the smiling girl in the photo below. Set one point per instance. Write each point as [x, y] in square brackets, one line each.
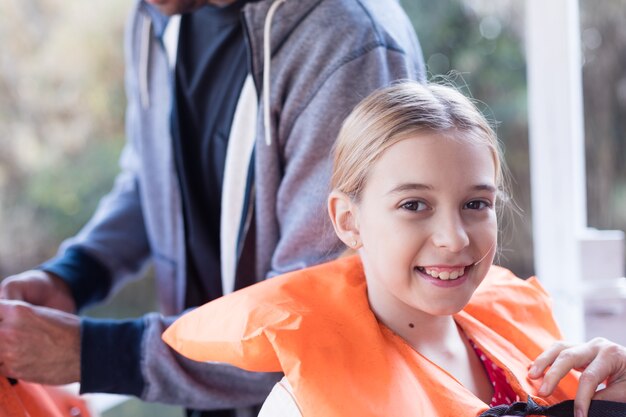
[419, 323]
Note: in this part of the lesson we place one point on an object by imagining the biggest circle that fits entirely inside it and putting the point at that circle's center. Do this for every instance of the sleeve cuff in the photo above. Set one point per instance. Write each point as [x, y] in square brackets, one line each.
[89, 280]
[111, 356]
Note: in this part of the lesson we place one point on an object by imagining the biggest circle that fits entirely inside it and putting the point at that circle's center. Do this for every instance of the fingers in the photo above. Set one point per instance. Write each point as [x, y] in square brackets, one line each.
[11, 289]
[597, 372]
[38, 288]
[599, 360]
[608, 365]
[547, 358]
[23, 286]
[561, 358]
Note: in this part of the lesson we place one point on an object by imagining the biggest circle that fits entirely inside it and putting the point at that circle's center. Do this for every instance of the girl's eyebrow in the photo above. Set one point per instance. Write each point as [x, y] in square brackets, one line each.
[410, 187]
[421, 187]
[485, 187]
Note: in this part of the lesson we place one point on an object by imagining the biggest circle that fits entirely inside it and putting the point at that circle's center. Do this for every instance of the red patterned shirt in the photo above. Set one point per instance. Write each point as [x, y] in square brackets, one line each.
[502, 391]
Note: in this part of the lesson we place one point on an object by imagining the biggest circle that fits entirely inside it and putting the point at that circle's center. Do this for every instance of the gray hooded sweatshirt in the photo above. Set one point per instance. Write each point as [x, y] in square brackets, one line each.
[322, 57]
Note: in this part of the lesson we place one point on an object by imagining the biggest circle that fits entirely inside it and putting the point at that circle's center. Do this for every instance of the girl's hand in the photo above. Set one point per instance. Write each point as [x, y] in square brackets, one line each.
[599, 360]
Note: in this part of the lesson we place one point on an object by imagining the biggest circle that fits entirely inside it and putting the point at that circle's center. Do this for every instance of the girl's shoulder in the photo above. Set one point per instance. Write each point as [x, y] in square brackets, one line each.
[517, 309]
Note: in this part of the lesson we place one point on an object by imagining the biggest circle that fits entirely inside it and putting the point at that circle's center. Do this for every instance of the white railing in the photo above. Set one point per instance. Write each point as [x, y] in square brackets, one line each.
[98, 403]
[564, 248]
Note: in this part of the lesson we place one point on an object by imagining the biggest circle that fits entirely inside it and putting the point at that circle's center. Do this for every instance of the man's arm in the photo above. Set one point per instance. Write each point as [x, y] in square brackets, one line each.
[140, 364]
[206, 385]
[118, 356]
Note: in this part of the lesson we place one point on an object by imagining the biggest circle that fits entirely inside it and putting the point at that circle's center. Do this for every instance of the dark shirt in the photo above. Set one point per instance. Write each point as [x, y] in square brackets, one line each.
[210, 70]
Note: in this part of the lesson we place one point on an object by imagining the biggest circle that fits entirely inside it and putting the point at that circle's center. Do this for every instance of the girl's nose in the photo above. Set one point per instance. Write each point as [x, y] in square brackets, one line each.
[450, 233]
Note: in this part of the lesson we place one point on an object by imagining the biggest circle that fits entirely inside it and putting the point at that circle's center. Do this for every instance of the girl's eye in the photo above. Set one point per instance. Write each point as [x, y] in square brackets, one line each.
[414, 205]
[477, 205]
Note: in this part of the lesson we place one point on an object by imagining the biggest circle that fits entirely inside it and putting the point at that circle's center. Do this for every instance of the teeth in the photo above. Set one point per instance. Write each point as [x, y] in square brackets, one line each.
[444, 275]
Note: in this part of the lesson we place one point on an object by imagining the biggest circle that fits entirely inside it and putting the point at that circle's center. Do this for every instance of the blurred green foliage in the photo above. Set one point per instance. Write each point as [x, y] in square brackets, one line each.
[61, 120]
[65, 195]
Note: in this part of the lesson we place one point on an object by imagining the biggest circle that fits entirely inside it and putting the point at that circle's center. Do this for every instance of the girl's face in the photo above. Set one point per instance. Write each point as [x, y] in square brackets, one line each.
[426, 224]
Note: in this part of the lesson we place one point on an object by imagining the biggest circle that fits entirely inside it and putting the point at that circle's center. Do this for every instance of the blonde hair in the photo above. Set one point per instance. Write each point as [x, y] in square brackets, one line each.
[391, 114]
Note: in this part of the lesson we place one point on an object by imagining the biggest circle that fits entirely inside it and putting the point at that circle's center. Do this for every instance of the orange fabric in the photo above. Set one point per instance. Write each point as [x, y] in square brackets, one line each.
[316, 326]
[32, 400]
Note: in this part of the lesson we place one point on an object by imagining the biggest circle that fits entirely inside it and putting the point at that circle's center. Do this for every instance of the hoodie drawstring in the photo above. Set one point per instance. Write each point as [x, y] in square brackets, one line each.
[267, 57]
[144, 58]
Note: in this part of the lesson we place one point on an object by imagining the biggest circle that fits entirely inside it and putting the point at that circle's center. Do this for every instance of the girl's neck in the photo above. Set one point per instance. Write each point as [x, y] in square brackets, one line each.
[420, 330]
[441, 341]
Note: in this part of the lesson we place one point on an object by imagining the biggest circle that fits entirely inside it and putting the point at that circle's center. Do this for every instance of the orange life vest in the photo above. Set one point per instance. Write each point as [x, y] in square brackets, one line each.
[23, 399]
[316, 326]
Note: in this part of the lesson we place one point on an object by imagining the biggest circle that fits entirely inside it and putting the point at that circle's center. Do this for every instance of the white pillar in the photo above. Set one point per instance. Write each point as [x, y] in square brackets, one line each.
[557, 153]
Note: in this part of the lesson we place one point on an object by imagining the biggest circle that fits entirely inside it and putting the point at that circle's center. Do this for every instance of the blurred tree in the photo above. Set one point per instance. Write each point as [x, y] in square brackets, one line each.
[604, 88]
[61, 120]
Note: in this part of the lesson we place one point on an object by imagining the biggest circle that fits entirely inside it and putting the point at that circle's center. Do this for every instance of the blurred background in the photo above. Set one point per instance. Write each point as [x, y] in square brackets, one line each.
[62, 106]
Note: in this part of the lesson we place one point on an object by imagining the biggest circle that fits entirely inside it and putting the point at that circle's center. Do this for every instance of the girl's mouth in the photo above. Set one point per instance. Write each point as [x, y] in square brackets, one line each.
[444, 274]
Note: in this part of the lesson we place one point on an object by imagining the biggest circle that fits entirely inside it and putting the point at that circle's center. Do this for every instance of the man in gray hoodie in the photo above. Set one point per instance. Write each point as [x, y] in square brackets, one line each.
[233, 107]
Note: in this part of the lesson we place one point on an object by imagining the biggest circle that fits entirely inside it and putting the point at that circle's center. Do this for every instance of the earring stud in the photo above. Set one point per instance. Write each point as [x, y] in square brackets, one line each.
[354, 243]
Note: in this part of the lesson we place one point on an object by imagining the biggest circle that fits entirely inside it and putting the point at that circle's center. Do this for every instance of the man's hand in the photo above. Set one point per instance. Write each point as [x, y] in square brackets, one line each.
[599, 360]
[39, 344]
[38, 288]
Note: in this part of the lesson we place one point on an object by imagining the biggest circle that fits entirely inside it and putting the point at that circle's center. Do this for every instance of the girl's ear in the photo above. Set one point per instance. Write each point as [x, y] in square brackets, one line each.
[343, 213]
